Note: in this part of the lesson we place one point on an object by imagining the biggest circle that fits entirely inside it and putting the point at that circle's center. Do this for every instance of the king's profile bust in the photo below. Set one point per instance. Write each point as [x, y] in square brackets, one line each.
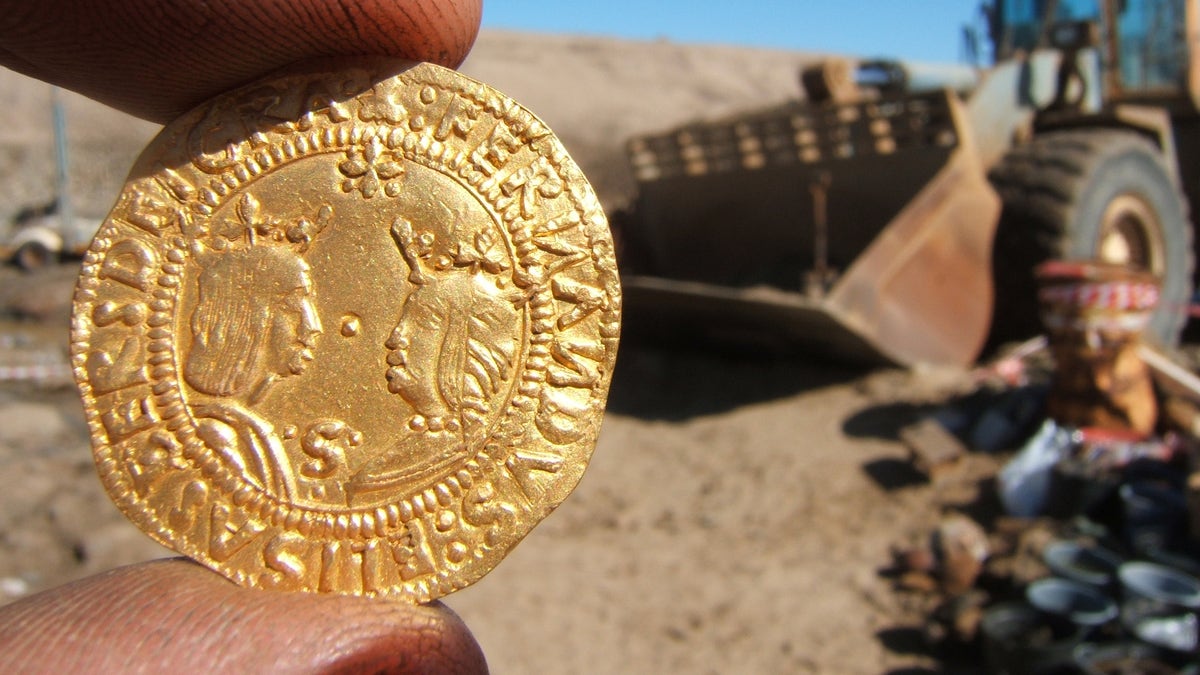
[254, 322]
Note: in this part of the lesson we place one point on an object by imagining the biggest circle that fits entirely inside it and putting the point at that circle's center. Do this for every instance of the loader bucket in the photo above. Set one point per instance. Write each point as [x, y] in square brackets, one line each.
[863, 230]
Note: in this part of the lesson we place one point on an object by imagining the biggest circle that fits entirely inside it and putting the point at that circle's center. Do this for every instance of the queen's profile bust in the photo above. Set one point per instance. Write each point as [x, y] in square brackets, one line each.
[451, 356]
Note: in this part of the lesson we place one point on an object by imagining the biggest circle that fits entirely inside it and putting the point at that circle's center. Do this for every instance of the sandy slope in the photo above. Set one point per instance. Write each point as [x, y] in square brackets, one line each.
[596, 92]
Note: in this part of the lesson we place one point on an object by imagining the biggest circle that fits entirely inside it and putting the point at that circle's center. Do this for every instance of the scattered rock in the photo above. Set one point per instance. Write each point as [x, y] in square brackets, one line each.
[962, 546]
[935, 451]
[921, 582]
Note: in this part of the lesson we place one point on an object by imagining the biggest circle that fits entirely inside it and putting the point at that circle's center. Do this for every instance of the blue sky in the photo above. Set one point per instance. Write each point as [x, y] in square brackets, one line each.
[921, 31]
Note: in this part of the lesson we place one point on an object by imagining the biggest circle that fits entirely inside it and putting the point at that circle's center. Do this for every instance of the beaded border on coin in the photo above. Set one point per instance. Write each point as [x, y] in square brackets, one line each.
[426, 542]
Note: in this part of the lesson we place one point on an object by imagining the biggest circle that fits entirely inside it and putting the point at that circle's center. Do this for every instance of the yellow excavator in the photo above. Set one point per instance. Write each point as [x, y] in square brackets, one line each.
[898, 210]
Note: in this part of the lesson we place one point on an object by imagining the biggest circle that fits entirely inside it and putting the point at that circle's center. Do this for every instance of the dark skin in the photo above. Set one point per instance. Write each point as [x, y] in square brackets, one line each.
[156, 59]
[176, 616]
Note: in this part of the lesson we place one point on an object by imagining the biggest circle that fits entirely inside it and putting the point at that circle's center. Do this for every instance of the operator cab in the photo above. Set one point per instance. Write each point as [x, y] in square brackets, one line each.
[1149, 46]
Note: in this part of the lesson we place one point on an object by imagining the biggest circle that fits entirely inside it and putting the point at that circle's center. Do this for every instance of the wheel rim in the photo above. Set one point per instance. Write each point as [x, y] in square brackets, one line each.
[1131, 234]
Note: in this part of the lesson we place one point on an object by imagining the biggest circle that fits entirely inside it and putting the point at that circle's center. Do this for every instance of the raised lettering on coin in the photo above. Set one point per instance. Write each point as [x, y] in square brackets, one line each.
[348, 331]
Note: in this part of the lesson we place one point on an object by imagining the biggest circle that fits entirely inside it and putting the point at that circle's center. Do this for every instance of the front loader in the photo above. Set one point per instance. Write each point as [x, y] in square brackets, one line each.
[889, 215]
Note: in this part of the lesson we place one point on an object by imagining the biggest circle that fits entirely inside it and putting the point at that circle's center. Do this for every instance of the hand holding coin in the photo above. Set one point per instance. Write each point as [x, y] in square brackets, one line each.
[130, 56]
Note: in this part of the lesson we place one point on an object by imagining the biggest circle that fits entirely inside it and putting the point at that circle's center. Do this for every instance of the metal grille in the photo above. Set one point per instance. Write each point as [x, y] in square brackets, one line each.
[796, 133]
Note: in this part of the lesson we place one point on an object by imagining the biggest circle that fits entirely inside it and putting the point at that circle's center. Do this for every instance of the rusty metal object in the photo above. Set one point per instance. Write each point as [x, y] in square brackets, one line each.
[1095, 314]
[830, 80]
[727, 225]
[821, 276]
[933, 450]
[348, 330]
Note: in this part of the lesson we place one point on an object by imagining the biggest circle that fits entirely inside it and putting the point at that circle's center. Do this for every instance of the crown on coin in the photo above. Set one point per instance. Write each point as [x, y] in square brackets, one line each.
[252, 227]
[419, 251]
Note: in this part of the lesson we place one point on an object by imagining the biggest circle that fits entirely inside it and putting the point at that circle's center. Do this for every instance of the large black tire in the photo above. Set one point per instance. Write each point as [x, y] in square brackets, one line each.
[1102, 194]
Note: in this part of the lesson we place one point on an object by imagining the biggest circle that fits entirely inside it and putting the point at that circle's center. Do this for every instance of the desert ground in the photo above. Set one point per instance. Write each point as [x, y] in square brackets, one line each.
[739, 507]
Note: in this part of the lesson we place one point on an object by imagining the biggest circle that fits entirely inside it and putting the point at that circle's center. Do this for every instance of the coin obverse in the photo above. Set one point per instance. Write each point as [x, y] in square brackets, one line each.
[348, 330]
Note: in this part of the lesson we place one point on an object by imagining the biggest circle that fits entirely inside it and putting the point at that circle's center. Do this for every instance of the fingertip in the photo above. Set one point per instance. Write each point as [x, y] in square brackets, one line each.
[157, 60]
[177, 615]
[425, 639]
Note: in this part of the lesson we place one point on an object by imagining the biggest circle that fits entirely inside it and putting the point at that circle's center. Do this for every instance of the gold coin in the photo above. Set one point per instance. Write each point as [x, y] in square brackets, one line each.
[348, 330]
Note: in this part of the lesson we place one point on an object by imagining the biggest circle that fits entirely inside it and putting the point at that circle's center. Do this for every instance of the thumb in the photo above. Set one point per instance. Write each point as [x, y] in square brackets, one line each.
[176, 616]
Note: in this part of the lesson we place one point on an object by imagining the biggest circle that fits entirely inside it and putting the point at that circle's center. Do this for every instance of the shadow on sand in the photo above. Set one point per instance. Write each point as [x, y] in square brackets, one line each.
[653, 381]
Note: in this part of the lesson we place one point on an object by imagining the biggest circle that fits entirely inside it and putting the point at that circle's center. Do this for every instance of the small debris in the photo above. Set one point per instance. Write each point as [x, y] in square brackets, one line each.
[921, 582]
[1182, 415]
[14, 587]
[962, 615]
[1111, 478]
[1024, 483]
[961, 546]
[934, 451]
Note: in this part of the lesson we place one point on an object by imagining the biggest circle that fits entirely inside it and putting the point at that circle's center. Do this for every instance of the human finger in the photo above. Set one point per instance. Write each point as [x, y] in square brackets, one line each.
[156, 59]
[176, 616]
